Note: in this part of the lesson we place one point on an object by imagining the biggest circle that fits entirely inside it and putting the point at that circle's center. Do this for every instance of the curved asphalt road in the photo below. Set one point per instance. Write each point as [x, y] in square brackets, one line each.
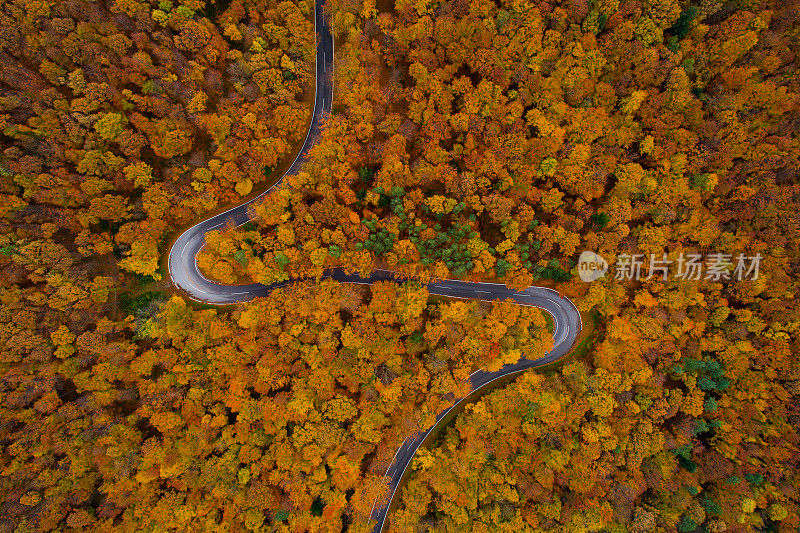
[182, 266]
[567, 325]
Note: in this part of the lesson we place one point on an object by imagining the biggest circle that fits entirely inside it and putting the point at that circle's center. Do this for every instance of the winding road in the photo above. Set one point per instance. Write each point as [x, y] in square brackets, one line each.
[184, 273]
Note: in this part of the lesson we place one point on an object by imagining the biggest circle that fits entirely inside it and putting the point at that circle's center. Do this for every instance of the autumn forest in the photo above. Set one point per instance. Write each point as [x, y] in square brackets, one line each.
[488, 141]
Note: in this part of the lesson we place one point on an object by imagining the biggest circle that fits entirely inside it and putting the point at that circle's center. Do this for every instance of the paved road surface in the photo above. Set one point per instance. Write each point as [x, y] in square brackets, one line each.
[567, 325]
[182, 265]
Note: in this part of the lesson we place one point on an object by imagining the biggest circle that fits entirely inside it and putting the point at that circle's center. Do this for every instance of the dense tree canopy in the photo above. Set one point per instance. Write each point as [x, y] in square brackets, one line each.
[489, 140]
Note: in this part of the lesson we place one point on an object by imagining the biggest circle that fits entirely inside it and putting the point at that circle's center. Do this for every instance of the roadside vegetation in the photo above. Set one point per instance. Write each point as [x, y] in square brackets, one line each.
[480, 140]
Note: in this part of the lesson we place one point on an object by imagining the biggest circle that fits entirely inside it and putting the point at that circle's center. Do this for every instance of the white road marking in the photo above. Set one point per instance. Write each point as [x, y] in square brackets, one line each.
[482, 292]
[395, 454]
[566, 332]
[388, 468]
[183, 250]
